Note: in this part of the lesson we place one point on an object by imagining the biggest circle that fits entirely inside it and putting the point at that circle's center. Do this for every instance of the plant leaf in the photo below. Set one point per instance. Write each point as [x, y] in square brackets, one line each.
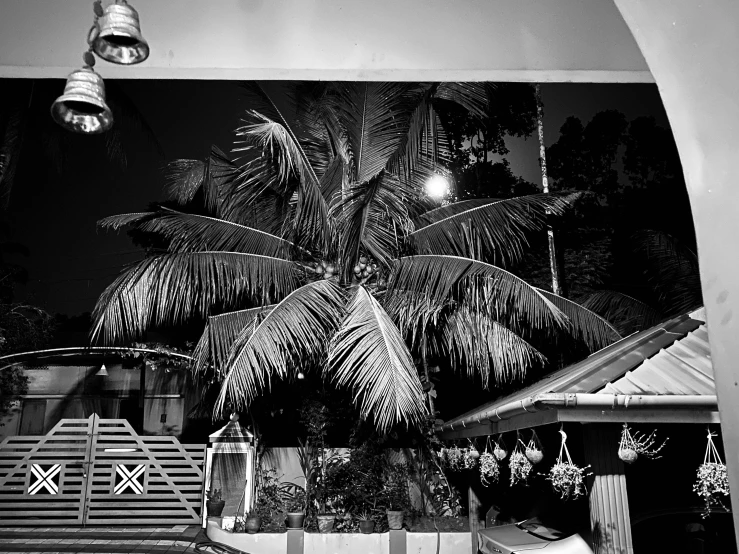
[626, 312]
[485, 348]
[172, 288]
[495, 291]
[585, 324]
[294, 331]
[368, 355]
[218, 337]
[192, 232]
[496, 231]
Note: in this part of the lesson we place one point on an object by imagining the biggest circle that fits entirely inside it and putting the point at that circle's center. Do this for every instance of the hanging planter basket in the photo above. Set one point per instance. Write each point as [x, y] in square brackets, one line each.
[471, 456]
[568, 479]
[635, 444]
[519, 464]
[534, 451]
[499, 451]
[455, 458]
[712, 482]
[489, 467]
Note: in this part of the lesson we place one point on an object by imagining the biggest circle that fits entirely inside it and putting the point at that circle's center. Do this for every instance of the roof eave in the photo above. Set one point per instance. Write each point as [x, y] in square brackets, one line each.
[579, 401]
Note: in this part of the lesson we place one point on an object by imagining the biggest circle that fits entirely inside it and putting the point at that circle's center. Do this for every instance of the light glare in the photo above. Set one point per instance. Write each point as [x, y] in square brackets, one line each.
[437, 186]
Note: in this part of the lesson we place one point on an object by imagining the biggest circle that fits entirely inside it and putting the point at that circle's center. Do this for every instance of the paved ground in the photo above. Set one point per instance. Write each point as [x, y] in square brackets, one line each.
[106, 540]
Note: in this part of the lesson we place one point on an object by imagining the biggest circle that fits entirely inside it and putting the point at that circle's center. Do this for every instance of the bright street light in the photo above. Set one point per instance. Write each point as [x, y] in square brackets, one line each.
[437, 186]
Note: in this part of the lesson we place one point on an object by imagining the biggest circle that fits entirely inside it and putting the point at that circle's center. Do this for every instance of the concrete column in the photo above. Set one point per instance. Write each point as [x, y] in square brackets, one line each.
[609, 502]
[691, 48]
[474, 509]
[398, 542]
[295, 541]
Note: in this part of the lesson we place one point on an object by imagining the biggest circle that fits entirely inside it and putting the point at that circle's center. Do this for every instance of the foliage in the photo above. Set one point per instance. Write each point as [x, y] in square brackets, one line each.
[489, 468]
[270, 502]
[711, 484]
[13, 383]
[214, 495]
[568, 480]
[338, 180]
[395, 491]
[520, 467]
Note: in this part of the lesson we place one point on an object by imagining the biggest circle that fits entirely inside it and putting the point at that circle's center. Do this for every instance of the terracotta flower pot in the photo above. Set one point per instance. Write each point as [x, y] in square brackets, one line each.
[252, 524]
[395, 519]
[295, 520]
[366, 526]
[215, 507]
[326, 522]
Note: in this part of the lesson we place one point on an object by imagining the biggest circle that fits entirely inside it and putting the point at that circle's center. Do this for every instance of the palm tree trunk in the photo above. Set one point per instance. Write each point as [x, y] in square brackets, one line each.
[426, 374]
[557, 278]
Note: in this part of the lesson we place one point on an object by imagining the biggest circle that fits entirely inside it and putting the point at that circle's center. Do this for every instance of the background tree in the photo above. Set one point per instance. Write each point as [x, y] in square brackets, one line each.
[22, 325]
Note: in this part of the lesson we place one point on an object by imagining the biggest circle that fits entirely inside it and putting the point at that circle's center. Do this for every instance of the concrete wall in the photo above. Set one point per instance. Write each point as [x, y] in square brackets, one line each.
[496, 40]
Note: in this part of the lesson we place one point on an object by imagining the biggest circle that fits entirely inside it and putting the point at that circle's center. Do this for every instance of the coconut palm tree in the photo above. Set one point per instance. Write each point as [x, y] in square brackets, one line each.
[317, 249]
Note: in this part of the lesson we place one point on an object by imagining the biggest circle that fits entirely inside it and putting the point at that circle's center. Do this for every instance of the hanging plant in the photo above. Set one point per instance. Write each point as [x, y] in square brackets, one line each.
[500, 451]
[713, 480]
[489, 467]
[533, 449]
[636, 444]
[455, 458]
[568, 480]
[519, 464]
[471, 456]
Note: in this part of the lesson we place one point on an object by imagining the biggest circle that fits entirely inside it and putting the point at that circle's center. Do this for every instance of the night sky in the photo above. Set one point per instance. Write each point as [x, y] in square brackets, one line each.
[55, 216]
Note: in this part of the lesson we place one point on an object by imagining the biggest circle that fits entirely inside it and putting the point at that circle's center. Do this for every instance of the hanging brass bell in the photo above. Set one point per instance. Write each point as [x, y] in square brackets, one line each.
[118, 36]
[82, 107]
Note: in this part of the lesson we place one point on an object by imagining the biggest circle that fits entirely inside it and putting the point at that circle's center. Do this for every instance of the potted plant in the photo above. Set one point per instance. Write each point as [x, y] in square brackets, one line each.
[253, 522]
[296, 510]
[366, 523]
[215, 503]
[396, 495]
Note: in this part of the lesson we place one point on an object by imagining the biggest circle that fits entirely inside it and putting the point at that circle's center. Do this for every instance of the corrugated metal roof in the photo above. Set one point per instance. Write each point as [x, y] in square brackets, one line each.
[682, 368]
[670, 358]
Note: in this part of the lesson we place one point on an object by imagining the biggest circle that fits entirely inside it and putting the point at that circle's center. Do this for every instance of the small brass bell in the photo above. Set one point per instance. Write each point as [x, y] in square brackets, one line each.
[82, 107]
[118, 35]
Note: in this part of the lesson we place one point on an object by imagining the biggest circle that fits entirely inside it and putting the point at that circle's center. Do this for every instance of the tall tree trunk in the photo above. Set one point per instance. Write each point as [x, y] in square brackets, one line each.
[554, 266]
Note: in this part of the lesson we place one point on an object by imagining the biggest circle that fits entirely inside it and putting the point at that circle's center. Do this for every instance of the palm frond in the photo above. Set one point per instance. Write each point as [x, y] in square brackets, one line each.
[281, 158]
[474, 97]
[375, 117]
[294, 331]
[191, 232]
[421, 137]
[212, 350]
[414, 313]
[584, 324]
[625, 312]
[185, 178]
[490, 289]
[172, 288]
[487, 349]
[372, 216]
[495, 231]
[368, 355]
[117, 222]
[672, 269]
